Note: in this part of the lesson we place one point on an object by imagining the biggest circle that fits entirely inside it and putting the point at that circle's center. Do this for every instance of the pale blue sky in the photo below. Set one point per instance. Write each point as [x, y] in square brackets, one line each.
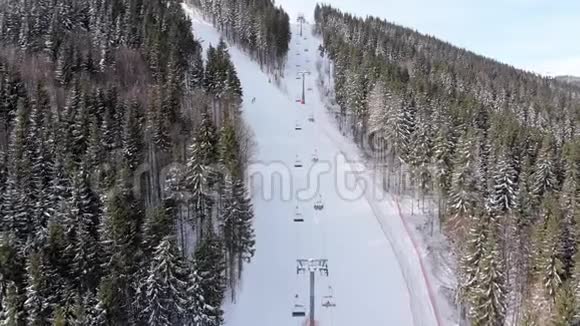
[537, 35]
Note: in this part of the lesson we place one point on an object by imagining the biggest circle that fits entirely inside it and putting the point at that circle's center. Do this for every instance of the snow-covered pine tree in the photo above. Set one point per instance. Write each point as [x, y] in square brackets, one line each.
[40, 144]
[56, 262]
[96, 147]
[543, 179]
[121, 239]
[207, 139]
[463, 192]
[482, 126]
[158, 225]
[376, 106]
[59, 316]
[233, 84]
[471, 257]
[356, 99]
[10, 197]
[83, 312]
[200, 174]
[158, 126]
[106, 132]
[399, 125]
[80, 127]
[565, 307]
[210, 266]
[195, 72]
[442, 160]
[210, 76]
[489, 295]
[245, 250]
[171, 103]
[82, 233]
[421, 152]
[166, 286]
[570, 203]
[574, 282]
[198, 311]
[133, 142]
[12, 312]
[36, 303]
[236, 227]
[228, 150]
[548, 260]
[504, 198]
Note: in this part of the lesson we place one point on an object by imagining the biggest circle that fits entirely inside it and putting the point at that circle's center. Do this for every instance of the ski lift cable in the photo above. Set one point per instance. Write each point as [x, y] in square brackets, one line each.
[298, 254]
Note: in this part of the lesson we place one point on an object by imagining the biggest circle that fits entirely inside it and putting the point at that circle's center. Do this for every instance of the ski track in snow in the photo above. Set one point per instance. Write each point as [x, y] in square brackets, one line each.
[375, 273]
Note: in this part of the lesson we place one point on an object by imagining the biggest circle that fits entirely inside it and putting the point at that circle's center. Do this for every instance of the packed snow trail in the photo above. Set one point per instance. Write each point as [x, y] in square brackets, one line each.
[369, 284]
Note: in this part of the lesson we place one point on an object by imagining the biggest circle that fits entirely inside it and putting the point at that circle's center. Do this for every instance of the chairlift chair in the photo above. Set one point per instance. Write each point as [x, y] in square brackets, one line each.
[299, 309]
[298, 127]
[315, 156]
[328, 300]
[298, 163]
[298, 218]
[311, 118]
[319, 205]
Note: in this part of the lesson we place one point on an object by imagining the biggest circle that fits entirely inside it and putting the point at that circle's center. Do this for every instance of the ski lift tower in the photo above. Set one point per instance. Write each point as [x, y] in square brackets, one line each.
[303, 74]
[312, 266]
[301, 20]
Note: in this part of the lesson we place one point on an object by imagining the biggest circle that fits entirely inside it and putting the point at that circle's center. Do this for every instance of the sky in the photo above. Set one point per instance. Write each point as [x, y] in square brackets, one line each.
[542, 36]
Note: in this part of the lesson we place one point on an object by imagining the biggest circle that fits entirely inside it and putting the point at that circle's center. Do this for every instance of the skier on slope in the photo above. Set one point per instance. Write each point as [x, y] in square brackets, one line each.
[253, 100]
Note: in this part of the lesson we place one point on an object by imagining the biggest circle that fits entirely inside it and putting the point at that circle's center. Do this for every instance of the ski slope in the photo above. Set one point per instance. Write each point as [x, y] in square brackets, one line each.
[374, 273]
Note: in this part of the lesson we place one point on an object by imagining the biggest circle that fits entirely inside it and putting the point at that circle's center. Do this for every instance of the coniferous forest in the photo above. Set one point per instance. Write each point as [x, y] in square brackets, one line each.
[257, 26]
[496, 148]
[122, 154]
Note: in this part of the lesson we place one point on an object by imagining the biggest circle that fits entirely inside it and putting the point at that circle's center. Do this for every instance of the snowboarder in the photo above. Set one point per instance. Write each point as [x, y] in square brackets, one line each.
[253, 100]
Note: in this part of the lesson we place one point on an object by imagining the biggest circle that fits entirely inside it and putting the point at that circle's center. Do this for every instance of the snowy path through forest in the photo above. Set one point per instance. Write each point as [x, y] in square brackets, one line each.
[371, 284]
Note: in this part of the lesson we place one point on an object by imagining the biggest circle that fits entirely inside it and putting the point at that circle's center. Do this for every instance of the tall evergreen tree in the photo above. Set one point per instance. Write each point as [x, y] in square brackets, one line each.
[166, 289]
[36, 304]
[210, 266]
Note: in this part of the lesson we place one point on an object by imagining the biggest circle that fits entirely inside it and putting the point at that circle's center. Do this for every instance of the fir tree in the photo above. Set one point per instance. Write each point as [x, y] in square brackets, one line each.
[548, 261]
[12, 313]
[133, 143]
[165, 286]
[543, 179]
[82, 234]
[505, 189]
[228, 150]
[198, 312]
[210, 266]
[565, 307]
[463, 191]
[488, 297]
[36, 304]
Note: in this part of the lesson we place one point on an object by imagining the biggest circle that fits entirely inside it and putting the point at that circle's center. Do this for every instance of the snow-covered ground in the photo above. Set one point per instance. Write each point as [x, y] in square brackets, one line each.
[376, 272]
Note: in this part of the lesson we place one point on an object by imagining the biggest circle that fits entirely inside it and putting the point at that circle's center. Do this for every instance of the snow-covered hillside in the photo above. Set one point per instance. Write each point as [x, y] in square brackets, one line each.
[375, 273]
